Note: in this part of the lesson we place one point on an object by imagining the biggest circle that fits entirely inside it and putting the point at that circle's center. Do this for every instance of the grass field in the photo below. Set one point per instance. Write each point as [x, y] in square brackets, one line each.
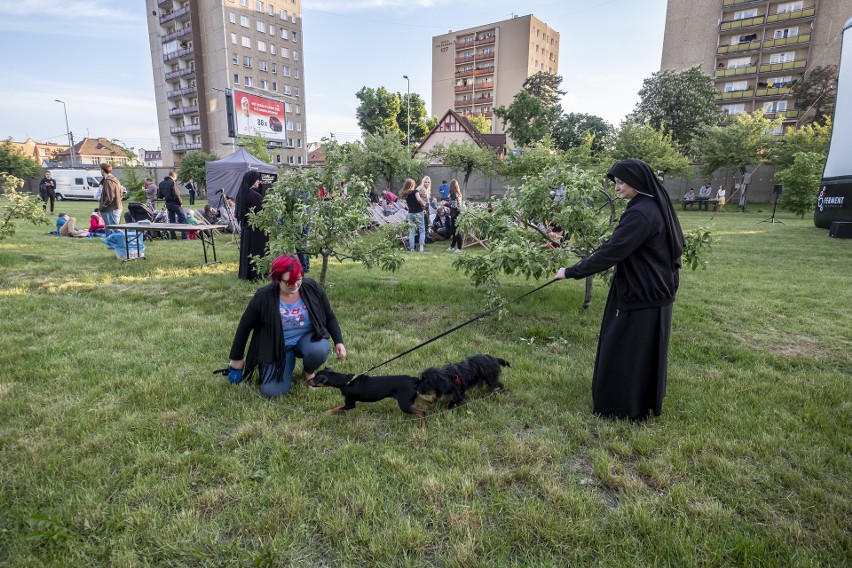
[118, 447]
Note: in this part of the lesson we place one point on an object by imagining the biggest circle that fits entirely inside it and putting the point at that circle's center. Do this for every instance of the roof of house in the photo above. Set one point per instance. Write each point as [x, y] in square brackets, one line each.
[317, 156]
[96, 147]
[497, 142]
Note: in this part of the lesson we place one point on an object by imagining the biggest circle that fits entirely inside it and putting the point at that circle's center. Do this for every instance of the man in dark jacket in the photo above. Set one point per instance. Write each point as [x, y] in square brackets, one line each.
[169, 193]
[47, 190]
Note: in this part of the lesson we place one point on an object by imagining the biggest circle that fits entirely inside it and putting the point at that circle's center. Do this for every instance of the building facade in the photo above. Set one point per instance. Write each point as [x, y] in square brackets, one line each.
[477, 69]
[91, 152]
[202, 51]
[755, 50]
[40, 152]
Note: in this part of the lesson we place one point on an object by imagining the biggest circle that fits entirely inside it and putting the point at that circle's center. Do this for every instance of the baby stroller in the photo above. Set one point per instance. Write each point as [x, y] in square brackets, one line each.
[142, 212]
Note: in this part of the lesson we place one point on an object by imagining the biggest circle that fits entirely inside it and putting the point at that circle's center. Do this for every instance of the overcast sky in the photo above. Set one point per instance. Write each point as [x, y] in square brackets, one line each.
[95, 56]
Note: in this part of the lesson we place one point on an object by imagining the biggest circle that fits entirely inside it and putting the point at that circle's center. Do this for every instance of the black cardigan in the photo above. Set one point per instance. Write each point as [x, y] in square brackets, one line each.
[645, 275]
[262, 320]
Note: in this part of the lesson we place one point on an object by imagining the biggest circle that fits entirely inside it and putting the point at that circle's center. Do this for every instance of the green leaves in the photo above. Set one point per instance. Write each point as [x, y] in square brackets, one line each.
[697, 244]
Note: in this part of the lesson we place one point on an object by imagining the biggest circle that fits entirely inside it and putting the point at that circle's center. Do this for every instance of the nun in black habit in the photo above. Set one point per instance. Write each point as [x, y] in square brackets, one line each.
[645, 249]
[252, 240]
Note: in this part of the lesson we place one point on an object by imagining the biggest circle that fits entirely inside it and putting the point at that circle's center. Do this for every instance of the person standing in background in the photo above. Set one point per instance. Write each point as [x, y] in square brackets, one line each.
[151, 193]
[170, 193]
[47, 190]
[190, 187]
[252, 240]
[109, 203]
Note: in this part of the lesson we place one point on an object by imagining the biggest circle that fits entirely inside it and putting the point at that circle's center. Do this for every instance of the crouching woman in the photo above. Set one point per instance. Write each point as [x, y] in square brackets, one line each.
[288, 318]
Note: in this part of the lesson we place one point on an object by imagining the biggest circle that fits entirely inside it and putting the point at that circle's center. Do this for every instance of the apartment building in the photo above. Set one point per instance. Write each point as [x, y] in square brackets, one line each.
[208, 56]
[477, 69]
[755, 50]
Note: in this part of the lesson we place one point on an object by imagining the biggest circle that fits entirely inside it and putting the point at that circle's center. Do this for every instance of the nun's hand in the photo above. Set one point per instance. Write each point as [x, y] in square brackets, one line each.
[560, 274]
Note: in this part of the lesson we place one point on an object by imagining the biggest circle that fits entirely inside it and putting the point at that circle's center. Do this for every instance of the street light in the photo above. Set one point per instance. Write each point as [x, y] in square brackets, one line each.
[68, 130]
[408, 104]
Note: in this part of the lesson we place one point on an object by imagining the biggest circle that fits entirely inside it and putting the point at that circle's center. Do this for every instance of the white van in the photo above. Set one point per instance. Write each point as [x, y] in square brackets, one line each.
[79, 184]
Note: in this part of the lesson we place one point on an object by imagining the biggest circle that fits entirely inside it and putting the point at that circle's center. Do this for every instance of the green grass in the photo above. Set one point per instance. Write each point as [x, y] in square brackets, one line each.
[118, 447]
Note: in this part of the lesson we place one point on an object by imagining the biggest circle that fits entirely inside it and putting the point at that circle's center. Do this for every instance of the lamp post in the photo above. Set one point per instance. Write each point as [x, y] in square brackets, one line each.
[68, 130]
[408, 105]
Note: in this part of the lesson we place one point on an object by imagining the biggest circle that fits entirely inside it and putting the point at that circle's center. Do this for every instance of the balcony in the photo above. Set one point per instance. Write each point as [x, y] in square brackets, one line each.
[191, 109]
[797, 15]
[191, 128]
[738, 2]
[483, 56]
[747, 93]
[739, 24]
[186, 30]
[165, 3]
[785, 114]
[485, 41]
[186, 147]
[464, 73]
[750, 70]
[185, 72]
[771, 67]
[795, 40]
[178, 14]
[463, 88]
[771, 92]
[181, 92]
[179, 54]
[465, 59]
[463, 104]
[462, 45]
[484, 71]
[484, 98]
[740, 47]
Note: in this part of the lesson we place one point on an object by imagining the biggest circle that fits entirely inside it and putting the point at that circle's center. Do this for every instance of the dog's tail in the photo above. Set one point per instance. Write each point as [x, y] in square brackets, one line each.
[503, 362]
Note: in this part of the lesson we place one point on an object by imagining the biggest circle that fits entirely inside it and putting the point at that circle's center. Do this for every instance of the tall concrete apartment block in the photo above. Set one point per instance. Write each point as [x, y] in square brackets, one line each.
[477, 69]
[755, 50]
[201, 48]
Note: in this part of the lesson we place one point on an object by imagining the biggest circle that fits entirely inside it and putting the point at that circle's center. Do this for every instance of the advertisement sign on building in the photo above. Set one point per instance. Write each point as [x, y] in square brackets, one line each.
[258, 116]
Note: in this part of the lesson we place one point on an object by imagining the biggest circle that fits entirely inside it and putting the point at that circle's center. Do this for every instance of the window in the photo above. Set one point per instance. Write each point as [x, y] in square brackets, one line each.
[786, 32]
[261, 26]
[789, 7]
[734, 109]
[246, 61]
[290, 160]
[274, 86]
[278, 158]
[236, 79]
[285, 34]
[285, 52]
[736, 86]
[286, 89]
[295, 37]
[271, 30]
[739, 62]
[248, 82]
[293, 15]
[261, 46]
[234, 38]
[290, 126]
[295, 91]
[232, 17]
[298, 109]
[296, 74]
[295, 55]
[244, 22]
[283, 14]
[287, 107]
[262, 65]
[246, 42]
[300, 158]
[271, 10]
[774, 106]
[782, 57]
[263, 84]
[235, 58]
[743, 14]
[285, 70]
[778, 82]
[299, 129]
[258, 6]
[274, 68]
[272, 49]
[243, 2]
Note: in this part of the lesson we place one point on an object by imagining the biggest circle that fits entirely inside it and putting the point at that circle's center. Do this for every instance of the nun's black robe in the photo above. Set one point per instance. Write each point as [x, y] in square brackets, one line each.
[630, 368]
[252, 241]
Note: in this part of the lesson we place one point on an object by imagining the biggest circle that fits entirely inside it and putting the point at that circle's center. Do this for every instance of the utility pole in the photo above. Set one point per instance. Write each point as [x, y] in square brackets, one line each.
[408, 105]
[68, 130]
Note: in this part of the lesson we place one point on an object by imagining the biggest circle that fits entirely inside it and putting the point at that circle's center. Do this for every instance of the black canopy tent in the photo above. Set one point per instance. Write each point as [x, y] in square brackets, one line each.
[227, 173]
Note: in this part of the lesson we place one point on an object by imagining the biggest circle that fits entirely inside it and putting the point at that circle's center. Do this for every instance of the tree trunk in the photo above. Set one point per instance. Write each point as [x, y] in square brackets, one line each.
[324, 269]
[587, 301]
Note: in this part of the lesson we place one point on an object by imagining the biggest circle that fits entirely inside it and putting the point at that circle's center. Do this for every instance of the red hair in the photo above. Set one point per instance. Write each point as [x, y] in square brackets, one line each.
[283, 264]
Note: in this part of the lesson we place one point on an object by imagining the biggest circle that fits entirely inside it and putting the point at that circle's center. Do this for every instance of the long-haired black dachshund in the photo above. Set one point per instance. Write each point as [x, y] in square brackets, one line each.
[456, 378]
[370, 389]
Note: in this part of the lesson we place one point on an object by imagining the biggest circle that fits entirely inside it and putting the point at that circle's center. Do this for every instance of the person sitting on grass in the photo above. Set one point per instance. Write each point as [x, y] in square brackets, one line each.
[96, 224]
[290, 317]
[66, 226]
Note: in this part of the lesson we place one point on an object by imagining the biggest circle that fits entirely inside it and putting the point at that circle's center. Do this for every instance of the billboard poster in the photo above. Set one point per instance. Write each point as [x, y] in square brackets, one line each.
[256, 115]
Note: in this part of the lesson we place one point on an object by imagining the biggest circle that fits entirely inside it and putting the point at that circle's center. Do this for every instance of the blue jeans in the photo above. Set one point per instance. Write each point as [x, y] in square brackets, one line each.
[312, 353]
[110, 218]
[417, 221]
[176, 211]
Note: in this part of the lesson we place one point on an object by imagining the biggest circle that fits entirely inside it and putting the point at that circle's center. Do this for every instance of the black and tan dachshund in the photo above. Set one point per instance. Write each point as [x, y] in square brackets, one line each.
[367, 388]
[456, 378]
